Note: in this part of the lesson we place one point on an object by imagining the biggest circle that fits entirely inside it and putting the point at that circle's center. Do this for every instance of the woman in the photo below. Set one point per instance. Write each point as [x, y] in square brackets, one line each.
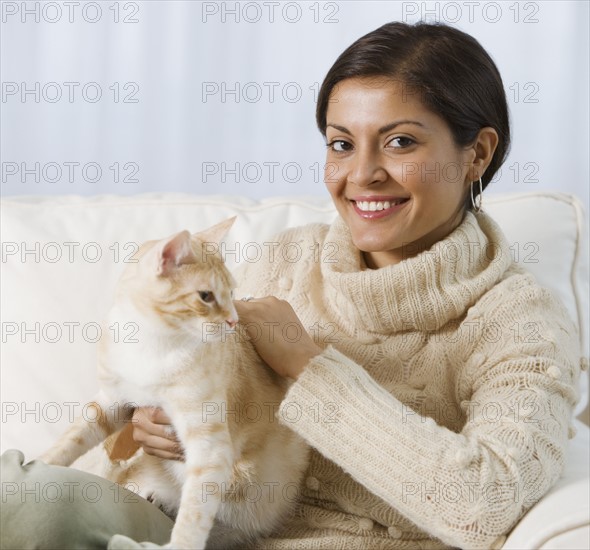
[435, 420]
[437, 384]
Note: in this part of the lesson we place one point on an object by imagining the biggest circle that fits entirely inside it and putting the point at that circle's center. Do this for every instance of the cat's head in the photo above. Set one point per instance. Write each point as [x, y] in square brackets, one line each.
[181, 281]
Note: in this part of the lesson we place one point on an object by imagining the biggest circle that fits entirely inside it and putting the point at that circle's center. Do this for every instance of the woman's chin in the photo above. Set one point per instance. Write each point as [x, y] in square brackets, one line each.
[370, 244]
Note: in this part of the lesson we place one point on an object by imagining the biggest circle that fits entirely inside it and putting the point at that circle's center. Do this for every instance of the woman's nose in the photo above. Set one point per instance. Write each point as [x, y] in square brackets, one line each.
[366, 168]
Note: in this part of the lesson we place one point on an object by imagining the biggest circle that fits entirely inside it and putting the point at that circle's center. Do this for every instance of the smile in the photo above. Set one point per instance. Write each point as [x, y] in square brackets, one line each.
[378, 208]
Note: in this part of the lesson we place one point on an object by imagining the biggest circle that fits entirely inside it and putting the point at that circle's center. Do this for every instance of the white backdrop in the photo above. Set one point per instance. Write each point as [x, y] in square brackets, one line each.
[218, 97]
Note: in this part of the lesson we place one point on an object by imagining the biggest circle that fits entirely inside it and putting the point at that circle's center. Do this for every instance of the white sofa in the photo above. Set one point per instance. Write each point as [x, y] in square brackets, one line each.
[61, 257]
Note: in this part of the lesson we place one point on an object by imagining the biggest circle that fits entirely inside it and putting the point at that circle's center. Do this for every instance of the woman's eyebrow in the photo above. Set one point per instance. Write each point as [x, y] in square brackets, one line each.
[392, 125]
[382, 130]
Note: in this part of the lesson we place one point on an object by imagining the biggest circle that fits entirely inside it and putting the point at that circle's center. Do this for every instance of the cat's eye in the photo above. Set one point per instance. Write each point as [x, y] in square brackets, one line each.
[207, 296]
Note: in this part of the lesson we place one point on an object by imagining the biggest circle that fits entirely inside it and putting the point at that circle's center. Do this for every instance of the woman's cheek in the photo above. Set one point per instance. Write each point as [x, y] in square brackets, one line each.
[333, 172]
[334, 175]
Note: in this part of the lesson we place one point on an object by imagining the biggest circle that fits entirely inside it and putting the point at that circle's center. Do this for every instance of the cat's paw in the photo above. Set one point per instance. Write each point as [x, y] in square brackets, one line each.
[121, 542]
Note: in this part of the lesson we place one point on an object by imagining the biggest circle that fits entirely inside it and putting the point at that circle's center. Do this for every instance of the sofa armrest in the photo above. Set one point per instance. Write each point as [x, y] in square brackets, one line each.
[561, 519]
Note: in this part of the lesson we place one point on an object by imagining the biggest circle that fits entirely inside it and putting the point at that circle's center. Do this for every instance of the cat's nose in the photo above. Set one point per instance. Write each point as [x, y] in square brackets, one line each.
[232, 316]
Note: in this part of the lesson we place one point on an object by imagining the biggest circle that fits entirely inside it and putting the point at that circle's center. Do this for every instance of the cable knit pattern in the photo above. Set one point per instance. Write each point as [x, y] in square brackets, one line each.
[439, 409]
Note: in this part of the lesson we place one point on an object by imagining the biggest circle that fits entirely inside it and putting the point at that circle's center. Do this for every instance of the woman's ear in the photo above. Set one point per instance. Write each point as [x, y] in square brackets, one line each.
[484, 146]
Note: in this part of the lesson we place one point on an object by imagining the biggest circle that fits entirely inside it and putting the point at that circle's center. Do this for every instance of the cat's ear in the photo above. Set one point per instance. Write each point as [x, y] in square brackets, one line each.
[174, 252]
[216, 233]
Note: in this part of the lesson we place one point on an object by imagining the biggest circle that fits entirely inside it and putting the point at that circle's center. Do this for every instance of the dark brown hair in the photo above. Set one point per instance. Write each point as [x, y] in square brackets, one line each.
[452, 73]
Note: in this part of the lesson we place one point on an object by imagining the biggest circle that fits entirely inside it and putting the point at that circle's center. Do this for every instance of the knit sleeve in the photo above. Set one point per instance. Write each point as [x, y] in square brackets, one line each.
[467, 488]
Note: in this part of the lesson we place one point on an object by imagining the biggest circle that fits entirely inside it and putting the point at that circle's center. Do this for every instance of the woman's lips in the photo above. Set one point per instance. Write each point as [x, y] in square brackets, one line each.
[378, 208]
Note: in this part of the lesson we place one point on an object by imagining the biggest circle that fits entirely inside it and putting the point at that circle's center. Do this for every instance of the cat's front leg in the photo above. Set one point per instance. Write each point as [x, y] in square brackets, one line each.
[99, 420]
[209, 459]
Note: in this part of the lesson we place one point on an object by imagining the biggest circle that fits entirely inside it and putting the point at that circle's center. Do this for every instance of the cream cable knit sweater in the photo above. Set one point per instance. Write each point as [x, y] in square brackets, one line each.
[439, 409]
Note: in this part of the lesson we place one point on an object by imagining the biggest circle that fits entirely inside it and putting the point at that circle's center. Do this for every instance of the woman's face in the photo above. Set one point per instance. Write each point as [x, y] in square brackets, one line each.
[394, 172]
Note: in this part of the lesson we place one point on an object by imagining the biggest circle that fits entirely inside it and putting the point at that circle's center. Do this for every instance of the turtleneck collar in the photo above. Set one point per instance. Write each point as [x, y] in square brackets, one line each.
[423, 292]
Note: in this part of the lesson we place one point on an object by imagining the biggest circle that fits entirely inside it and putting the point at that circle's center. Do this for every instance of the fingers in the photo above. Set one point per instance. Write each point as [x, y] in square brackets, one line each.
[158, 416]
[155, 421]
[153, 431]
[162, 448]
[277, 333]
[254, 308]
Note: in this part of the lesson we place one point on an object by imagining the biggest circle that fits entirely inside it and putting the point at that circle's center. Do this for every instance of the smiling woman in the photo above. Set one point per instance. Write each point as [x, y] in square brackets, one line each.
[401, 186]
[416, 124]
[412, 114]
[426, 431]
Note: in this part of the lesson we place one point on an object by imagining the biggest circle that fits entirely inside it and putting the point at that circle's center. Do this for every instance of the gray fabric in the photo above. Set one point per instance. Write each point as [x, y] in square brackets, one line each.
[54, 507]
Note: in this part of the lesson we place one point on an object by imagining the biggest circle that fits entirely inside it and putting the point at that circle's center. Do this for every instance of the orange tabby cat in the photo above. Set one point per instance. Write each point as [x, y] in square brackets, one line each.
[242, 468]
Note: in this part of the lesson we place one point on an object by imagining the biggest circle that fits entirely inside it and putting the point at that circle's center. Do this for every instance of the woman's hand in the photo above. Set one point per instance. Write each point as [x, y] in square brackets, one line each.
[279, 338]
[153, 430]
[277, 334]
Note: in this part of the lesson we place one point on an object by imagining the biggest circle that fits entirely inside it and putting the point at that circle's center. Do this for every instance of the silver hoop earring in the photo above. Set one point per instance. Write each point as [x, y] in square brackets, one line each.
[476, 203]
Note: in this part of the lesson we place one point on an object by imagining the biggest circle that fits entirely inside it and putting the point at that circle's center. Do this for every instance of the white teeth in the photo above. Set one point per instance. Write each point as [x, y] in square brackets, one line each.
[373, 206]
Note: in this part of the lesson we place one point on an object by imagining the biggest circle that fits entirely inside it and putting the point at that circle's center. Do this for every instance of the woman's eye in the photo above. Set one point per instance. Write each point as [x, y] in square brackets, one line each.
[401, 142]
[339, 145]
[207, 296]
